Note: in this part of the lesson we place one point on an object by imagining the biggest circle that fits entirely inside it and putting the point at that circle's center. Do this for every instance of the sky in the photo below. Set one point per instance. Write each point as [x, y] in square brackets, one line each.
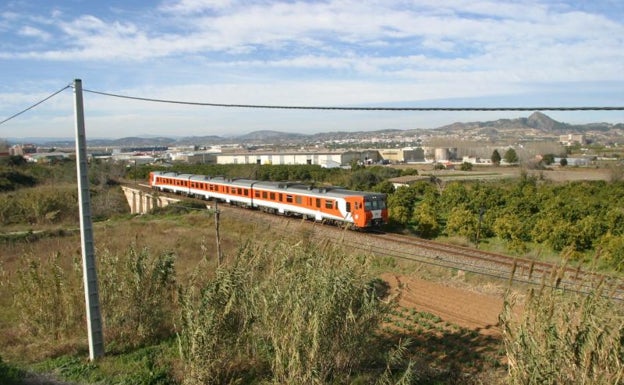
[386, 53]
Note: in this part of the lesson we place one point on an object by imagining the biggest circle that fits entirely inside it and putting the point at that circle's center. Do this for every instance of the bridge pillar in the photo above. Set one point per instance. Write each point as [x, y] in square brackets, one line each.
[133, 203]
[142, 202]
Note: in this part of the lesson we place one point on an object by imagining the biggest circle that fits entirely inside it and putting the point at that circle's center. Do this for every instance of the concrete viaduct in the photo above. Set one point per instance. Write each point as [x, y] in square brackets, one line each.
[141, 202]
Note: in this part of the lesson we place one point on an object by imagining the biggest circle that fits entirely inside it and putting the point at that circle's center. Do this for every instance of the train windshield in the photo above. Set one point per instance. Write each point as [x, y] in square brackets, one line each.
[374, 203]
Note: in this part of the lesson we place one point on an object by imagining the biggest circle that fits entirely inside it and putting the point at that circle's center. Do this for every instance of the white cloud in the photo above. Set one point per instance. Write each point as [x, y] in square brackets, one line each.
[332, 52]
[34, 32]
[186, 7]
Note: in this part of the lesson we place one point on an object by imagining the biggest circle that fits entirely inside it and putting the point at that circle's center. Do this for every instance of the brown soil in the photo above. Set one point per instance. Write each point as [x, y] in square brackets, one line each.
[471, 310]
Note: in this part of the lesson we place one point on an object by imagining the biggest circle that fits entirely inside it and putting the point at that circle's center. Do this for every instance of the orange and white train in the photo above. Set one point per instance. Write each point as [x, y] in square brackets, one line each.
[357, 209]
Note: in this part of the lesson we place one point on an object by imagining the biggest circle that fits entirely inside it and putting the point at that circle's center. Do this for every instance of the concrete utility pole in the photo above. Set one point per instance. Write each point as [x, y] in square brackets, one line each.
[94, 319]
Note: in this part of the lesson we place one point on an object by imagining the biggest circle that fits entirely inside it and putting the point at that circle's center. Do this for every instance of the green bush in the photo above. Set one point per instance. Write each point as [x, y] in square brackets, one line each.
[39, 205]
[10, 375]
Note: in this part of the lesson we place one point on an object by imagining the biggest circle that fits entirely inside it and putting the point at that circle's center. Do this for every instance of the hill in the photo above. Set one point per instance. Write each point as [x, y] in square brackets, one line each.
[537, 126]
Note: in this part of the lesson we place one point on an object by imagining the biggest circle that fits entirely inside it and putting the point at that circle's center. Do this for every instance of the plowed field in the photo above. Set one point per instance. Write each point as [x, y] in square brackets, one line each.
[467, 309]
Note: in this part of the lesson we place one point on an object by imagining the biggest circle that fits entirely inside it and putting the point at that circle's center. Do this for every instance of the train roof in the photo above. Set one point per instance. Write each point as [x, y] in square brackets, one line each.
[284, 187]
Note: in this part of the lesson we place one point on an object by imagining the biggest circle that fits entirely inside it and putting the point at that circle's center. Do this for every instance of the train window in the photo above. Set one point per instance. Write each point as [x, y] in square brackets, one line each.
[246, 192]
[289, 198]
[281, 197]
[348, 207]
[329, 204]
[298, 199]
[264, 194]
[368, 205]
[257, 194]
[272, 196]
[318, 203]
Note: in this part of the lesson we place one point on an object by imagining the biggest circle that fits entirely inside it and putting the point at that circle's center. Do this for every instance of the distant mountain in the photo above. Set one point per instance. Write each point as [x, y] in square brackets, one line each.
[268, 135]
[538, 126]
[536, 123]
[544, 123]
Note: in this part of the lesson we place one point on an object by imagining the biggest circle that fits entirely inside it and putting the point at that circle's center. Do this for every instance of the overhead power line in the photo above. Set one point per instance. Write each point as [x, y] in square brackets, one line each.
[336, 108]
[35, 105]
[283, 107]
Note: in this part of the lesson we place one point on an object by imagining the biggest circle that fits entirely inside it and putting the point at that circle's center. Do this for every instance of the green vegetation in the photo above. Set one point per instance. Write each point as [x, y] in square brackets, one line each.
[511, 156]
[291, 315]
[525, 213]
[496, 157]
[40, 195]
[10, 375]
[466, 166]
[270, 313]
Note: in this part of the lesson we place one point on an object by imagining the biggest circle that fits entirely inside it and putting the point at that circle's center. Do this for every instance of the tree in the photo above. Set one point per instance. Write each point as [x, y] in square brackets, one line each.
[462, 222]
[385, 187]
[509, 228]
[401, 204]
[425, 220]
[563, 162]
[612, 247]
[496, 158]
[511, 156]
[16, 160]
[466, 166]
[548, 159]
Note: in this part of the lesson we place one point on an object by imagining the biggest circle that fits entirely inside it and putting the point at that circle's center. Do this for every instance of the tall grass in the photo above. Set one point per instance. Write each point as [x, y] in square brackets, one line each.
[564, 338]
[136, 296]
[48, 299]
[289, 314]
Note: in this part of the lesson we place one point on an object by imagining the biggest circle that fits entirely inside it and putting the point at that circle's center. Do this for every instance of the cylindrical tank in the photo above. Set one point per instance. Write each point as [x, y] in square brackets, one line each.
[441, 154]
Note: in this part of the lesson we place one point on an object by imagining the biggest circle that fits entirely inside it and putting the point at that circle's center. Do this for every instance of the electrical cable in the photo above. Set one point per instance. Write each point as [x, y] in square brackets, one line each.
[35, 105]
[336, 108]
[283, 107]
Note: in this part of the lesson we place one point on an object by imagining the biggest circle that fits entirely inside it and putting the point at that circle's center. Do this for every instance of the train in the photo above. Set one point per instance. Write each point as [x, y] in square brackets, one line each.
[354, 209]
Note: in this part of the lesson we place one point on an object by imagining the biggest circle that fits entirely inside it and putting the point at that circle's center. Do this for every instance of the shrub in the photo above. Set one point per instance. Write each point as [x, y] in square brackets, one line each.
[9, 374]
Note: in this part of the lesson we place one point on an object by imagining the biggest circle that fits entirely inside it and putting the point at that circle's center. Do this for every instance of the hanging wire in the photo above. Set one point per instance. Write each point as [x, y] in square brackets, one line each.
[283, 107]
[36, 104]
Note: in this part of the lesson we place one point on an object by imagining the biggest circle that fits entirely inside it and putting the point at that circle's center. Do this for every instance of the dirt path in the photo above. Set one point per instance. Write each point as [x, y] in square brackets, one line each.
[471, 310]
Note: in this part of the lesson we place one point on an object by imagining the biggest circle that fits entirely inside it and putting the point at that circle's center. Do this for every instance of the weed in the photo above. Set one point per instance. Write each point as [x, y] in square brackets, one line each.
[301, 314]
[10, 375]
[564, 338]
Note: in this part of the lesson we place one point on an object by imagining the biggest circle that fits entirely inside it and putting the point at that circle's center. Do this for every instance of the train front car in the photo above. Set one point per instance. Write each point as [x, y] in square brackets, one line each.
[369, 210]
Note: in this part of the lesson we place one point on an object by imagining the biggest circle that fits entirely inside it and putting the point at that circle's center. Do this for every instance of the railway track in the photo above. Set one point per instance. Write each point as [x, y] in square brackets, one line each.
[472, 260]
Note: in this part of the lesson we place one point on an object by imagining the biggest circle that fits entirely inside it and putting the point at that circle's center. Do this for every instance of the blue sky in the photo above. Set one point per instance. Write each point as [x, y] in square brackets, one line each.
[443, 53]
